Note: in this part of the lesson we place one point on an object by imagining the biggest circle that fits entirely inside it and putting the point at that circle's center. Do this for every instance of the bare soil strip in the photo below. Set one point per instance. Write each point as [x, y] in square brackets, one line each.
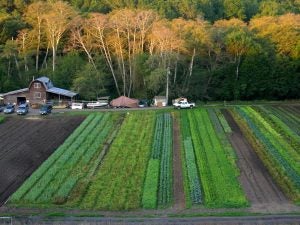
[25, 144]
[257, 183]
[179, 198]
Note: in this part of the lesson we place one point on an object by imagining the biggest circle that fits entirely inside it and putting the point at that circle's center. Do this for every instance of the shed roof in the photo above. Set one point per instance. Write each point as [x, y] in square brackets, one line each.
[60, 91]
[160, 97]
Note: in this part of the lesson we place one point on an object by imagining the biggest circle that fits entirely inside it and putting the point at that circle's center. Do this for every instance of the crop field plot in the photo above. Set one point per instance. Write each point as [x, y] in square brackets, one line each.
[272, 131]
[25, 144]
[210, 160]
[118, 184]
[244, 157]
[63, 176]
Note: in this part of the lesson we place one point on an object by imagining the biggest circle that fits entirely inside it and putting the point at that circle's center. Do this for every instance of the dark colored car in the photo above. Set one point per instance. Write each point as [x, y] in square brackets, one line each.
[45, 109]
[9, 109]
[22, 109]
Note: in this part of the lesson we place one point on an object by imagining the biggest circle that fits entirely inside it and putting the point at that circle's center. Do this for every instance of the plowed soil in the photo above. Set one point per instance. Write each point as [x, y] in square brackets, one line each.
[25, 144]
[179, 198]
[256, 181]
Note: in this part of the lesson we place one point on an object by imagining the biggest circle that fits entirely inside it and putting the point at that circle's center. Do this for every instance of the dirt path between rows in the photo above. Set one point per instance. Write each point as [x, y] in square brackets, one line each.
[257, 183]
[179, 198]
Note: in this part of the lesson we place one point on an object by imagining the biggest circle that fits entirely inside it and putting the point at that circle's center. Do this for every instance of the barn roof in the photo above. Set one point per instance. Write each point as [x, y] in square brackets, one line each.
[16, 91]
[60, 91]
[46, 81]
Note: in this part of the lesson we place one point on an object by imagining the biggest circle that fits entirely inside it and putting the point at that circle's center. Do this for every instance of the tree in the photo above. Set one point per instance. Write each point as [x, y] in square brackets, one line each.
[34, 16]
[283, 31]
[57, 21]
[89, 82]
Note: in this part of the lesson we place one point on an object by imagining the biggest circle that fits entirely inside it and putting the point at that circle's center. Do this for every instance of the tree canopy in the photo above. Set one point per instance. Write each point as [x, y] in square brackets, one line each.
[207, 49]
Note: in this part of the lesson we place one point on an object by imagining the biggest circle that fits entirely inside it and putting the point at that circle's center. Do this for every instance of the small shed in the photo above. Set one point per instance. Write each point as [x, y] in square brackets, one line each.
[160, 101]
[124, 101]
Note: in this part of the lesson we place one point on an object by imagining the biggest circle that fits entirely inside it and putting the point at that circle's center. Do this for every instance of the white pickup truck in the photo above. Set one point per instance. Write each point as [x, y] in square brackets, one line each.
[183, 105]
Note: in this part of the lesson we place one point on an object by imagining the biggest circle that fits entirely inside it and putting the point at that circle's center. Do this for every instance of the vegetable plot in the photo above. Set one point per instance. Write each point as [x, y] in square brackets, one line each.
[278, 154]
[158, 182]
[218, 174]
[118, 184]
[58, 176]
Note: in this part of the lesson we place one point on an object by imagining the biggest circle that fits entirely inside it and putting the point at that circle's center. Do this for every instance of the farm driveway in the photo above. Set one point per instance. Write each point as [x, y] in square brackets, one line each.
[25, 144]
[257, 183]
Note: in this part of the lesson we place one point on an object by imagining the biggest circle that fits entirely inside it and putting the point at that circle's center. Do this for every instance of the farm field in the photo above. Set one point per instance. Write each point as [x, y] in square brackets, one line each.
[243, 158]
[276, 143]
[25, 144]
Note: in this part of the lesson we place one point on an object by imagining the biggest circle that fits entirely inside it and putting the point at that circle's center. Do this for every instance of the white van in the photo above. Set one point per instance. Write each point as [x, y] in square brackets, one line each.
[77, 105]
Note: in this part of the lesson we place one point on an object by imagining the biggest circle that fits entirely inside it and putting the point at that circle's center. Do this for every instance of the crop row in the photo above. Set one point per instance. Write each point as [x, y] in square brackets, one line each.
[267, 152]
[1, 119]
[218, 175]
[281, 127]
[165, 182]
[45, 167]
[118, 183]
[158, 181]
[190, 164]
[286, 158]
[287, 119]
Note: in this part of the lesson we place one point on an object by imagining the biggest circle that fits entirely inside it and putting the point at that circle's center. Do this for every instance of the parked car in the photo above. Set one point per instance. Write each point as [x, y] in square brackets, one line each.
[9, 109]
[45, 109]
[2, 107]
[22, 109]
[77, 105]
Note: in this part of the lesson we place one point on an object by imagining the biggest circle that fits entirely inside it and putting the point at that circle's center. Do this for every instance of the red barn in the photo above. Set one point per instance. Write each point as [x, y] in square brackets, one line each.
[39, 91]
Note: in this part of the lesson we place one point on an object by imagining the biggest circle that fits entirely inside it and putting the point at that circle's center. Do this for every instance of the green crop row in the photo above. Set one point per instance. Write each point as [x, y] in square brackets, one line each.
[290, 122]
[44, 189]
[281, 127]
[278, 146]
[277, 167]
[2, 119]
[39, 173]
[193, 177]
[218, 176]
[118, 183]
[149, 200]
[165, 182]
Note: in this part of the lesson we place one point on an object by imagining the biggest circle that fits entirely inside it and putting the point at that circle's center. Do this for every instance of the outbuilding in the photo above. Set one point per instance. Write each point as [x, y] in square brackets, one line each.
[124, 101]
[160, 101]
[39, 91]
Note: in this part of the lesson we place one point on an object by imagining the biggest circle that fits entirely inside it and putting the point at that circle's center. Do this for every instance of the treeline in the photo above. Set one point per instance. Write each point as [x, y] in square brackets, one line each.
[207, 50]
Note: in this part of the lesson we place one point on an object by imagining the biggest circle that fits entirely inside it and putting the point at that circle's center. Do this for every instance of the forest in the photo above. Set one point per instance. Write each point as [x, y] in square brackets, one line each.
[205, 50]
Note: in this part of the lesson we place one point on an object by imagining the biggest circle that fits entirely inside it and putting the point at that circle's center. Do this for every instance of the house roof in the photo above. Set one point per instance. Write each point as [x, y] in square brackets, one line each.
[16, 91]
[60, 91]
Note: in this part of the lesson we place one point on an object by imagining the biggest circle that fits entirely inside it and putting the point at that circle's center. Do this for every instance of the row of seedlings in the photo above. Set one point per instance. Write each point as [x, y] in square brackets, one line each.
[194, 194]
[118, 183]
[158, 183]
[61, 178]
[218, 175]
[279, 156]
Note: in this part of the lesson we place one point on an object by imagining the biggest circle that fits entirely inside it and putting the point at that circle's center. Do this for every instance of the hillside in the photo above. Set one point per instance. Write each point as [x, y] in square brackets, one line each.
[205, 50]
